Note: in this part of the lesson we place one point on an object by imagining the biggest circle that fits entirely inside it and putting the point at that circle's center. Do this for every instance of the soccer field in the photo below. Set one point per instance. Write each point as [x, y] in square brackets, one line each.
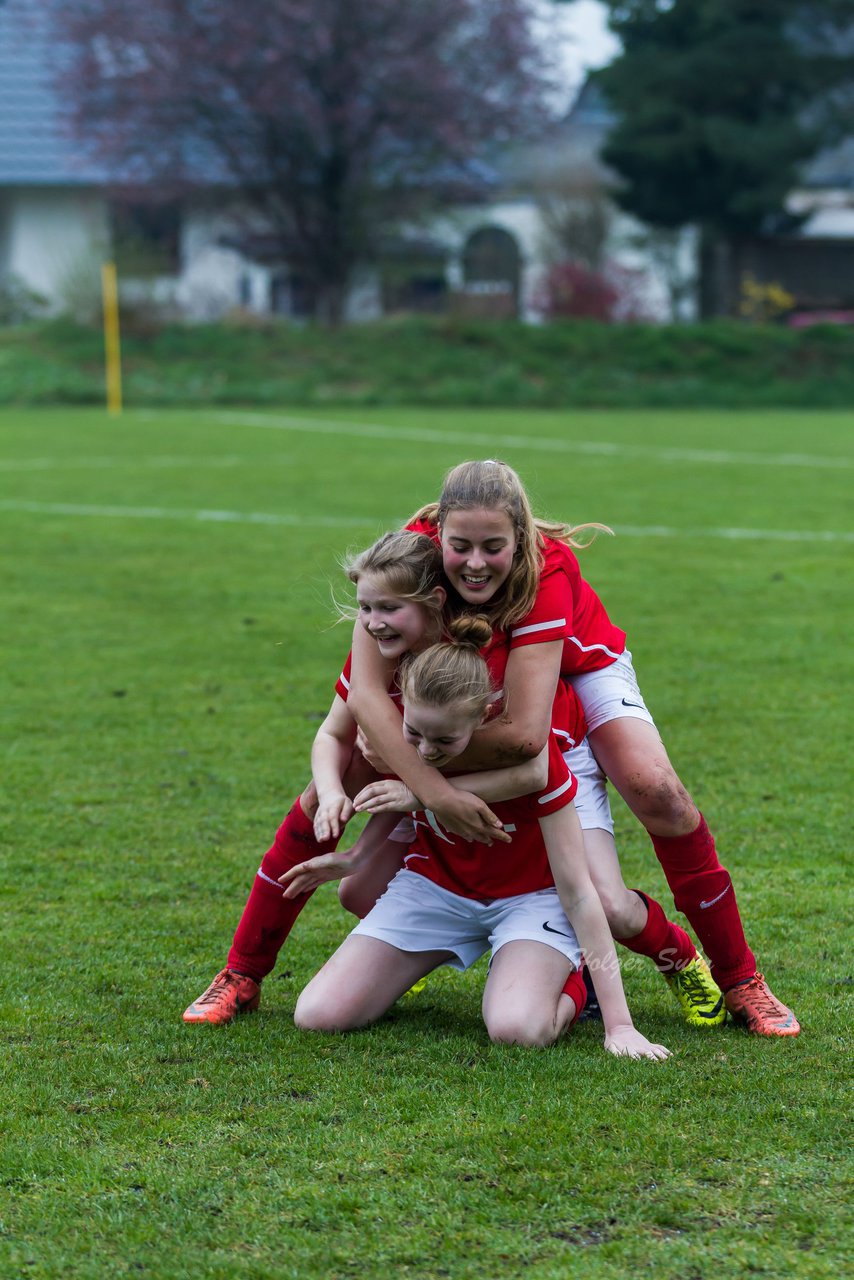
[170, 647]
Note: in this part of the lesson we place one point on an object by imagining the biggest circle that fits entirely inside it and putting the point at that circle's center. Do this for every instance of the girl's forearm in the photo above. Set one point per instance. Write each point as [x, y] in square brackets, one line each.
[502, 744]
[564, 841]
[506, 784]
[587, 918]
[380, 722]
[329, 760]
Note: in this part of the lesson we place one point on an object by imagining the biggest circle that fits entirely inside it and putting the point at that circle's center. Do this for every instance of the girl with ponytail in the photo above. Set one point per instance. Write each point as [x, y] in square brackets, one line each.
[530, 900]
[522, 573]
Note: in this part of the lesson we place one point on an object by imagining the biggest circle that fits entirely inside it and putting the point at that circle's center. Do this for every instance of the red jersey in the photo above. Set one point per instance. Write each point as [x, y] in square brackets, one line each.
[342, 684]
[566, 608]
[474, 870]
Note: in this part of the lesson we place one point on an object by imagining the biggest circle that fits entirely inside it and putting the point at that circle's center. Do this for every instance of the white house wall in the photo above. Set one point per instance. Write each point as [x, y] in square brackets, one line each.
[523, 220]
[55, 241]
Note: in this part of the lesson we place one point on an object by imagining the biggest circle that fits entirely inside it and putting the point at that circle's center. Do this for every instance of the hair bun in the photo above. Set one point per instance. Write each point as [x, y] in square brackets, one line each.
[471, 629]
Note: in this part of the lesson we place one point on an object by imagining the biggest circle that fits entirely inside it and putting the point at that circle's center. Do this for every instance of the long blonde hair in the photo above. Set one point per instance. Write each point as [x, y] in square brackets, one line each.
[495, 486]
[452, 673]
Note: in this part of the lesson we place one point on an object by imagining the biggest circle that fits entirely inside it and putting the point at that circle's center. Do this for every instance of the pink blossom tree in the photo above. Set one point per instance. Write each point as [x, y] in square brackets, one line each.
[334, 119]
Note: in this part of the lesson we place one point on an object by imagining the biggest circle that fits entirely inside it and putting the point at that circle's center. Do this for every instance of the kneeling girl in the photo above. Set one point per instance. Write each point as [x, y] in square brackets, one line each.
[530, 900]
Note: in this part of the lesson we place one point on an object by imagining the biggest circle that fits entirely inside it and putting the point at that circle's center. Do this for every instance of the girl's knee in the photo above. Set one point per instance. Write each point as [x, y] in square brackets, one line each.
[320, 1013]
[657, 795]
[308, 801]
[354, 899]
[529, 1029]
[624, 910]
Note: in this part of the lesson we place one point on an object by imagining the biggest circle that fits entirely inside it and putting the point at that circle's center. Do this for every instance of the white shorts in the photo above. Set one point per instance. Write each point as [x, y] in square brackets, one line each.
[611, 693]
[591, 799]
[414, 914]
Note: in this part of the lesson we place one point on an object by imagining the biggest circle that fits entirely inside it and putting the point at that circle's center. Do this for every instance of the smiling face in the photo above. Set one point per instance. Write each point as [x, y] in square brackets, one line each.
[438, 733]
[477, 552]
[399, 626]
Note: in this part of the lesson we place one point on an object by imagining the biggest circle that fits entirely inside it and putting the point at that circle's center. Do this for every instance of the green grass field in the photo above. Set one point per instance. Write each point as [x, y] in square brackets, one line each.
[168, 653]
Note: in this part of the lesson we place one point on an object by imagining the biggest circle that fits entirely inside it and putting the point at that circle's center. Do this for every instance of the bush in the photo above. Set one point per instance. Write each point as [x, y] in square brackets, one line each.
[571, 291]
[438, 361]
[18, 303]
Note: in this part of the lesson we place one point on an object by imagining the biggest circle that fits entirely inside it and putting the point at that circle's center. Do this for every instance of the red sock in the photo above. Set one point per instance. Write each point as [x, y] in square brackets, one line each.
[668, 947]
[268, 917]
[703, 891]
[576, 988]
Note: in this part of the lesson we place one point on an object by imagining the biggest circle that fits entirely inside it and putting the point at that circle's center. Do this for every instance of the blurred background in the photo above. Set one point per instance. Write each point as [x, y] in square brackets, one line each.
[342, 162]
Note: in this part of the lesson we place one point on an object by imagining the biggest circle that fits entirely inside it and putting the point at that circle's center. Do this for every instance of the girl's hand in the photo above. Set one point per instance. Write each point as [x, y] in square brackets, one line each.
[389, 795]
[374, 760]
[334, 811]
[465, 815]
[306, 876]
[627, 1042]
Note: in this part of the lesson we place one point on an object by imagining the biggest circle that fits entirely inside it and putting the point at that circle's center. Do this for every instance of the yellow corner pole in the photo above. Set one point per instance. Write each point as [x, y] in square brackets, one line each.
[112, 347]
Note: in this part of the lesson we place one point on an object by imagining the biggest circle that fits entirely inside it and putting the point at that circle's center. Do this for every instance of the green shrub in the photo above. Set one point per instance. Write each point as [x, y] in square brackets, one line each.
[438, 361]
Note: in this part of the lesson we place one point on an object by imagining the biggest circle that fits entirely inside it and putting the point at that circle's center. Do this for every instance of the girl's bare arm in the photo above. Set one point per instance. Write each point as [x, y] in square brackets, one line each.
[522, 730]
[390, 795]
[330, 756]
[458, 811]
[565, 845]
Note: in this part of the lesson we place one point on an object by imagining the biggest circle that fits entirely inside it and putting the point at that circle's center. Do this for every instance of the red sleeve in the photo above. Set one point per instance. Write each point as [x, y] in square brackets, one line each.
[560, 787]
[342, 684]
[568, 723]
[551, 615]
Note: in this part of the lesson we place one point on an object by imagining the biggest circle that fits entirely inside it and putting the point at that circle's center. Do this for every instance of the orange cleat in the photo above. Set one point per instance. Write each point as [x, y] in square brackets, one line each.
[755, 1006]
[228, 995]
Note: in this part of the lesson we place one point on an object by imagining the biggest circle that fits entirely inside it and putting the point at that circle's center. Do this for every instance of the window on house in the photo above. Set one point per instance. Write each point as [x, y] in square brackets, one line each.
[146, 238]
[292, 295]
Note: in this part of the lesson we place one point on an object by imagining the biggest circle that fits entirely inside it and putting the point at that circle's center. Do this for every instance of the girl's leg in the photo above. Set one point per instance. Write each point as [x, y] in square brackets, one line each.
[267, 919]
[637, 921]
[359, 892]
[639, 924]
[524, 1000]
[633, 756]
[360, 982]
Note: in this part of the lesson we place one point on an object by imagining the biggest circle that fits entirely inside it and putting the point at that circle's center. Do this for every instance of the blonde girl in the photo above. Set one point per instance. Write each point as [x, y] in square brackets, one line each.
[400, 593]
[522, 572]
[454, 899]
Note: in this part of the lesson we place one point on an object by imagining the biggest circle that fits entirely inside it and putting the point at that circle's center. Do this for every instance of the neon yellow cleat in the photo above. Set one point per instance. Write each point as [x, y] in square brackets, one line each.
[697, 994]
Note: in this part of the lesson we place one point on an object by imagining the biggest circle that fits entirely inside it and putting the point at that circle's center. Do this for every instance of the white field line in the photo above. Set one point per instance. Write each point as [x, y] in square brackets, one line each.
[156, 462]
[362, 522]
[178, 513]
[545, 444]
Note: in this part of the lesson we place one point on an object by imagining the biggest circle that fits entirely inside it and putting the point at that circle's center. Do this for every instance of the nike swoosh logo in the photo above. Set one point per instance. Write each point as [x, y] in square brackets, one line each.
[711, 1013]
[626, 703]
[548, 928]
[703, 905]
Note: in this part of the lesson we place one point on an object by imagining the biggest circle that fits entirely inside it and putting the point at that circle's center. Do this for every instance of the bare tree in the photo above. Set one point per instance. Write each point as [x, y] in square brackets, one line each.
[333, 119]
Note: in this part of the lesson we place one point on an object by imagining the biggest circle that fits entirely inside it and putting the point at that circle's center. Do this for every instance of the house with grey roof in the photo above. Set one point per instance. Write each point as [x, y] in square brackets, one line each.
[61, 217]
[53, 212]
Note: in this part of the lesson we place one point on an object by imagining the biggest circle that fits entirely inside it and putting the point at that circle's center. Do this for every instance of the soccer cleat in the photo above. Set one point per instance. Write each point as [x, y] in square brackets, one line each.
[417, 987]
[697, 994]
[755, 1006]
[228, 995]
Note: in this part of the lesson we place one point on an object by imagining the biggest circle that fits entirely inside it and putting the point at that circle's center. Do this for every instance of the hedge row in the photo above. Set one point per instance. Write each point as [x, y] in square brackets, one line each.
[439, 361]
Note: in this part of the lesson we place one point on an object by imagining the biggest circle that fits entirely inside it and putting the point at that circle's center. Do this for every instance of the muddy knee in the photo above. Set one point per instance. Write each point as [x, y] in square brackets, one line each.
[658, 796]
